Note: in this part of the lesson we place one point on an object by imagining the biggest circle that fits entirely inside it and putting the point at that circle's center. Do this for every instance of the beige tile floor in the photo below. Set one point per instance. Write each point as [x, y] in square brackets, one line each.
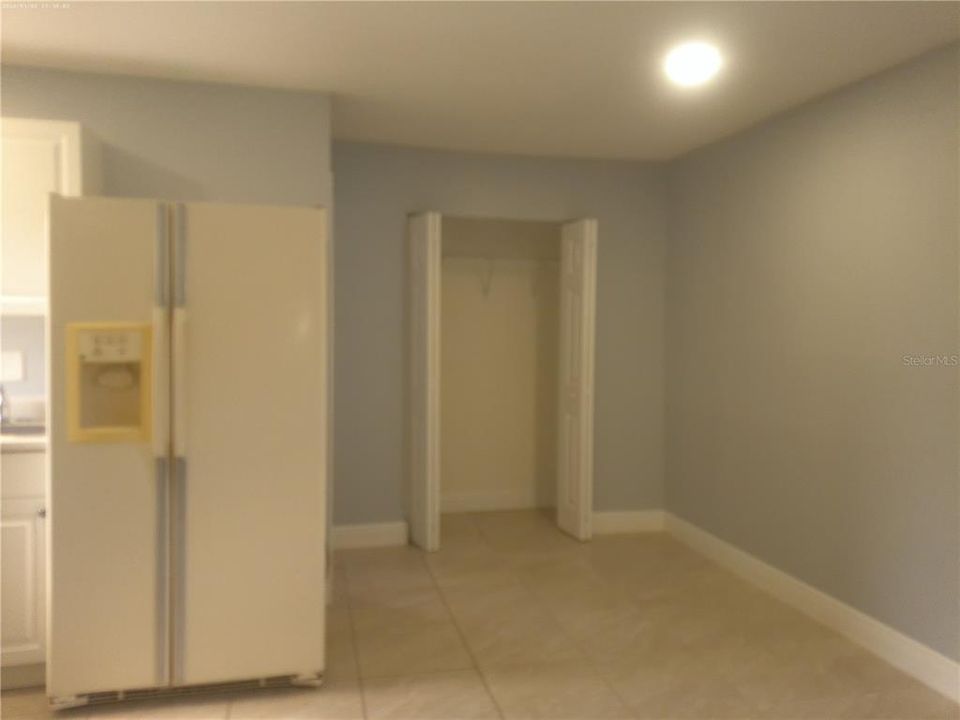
[511, 619]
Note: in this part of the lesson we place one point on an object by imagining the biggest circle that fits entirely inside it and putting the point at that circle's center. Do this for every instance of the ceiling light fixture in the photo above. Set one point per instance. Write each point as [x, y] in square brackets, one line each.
[692, 63]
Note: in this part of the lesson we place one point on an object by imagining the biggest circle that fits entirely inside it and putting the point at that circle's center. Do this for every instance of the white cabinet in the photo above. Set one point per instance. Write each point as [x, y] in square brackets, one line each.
[39, 157]
[22, 539]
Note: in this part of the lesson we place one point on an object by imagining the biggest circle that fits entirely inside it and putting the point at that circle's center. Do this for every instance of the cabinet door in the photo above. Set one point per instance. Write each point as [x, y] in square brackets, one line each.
[24, 606]
[30, 173]
[39, 157]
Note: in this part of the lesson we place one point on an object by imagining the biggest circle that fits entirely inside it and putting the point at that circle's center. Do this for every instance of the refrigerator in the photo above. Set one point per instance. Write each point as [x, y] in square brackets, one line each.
[187, 479]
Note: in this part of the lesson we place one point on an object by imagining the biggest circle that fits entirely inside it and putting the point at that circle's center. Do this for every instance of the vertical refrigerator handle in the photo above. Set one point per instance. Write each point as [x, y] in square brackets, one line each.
[178, 500]
[162, 548]
[160, 434]
[160, 430]
[160, 420]
[178, 286]
[178, 491]
[179, 381]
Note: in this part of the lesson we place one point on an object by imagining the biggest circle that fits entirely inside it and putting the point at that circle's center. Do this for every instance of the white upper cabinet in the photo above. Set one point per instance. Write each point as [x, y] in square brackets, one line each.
[39, 157]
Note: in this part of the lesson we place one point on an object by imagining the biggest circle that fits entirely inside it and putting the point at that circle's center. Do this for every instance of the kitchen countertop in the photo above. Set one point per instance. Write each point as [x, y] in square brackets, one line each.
[23, 443]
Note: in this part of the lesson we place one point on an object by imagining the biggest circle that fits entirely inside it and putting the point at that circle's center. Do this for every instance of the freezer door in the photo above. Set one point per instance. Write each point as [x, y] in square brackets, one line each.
[249, 428]
[106, 489]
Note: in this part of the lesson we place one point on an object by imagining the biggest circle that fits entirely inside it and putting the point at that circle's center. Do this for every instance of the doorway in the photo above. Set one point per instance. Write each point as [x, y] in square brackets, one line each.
[501, 359]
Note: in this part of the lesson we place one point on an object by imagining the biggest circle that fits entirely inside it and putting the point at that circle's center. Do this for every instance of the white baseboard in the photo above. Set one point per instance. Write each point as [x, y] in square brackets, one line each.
[628, 521]
[914, 658]
[370, 535]
[488, 501]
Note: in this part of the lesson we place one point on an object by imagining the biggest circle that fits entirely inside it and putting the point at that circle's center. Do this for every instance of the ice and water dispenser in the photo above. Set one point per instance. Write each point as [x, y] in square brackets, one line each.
[109, 382]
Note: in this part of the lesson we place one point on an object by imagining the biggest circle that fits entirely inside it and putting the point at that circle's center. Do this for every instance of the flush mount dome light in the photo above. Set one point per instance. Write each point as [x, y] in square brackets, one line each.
[692, 63]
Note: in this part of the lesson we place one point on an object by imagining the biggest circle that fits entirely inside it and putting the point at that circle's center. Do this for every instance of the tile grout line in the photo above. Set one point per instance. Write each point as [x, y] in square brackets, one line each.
[462, 636]
[356, 645]
[588, 660]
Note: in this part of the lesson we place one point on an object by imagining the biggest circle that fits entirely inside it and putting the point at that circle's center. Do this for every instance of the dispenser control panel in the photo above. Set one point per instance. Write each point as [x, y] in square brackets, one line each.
[109, 383]
[110, 346]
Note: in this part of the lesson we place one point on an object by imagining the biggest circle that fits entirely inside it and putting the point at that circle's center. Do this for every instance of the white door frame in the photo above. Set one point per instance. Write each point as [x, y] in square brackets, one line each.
[575, 403]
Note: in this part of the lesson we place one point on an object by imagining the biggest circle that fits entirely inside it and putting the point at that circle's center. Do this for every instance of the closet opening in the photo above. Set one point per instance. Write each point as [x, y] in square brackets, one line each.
[501, 383]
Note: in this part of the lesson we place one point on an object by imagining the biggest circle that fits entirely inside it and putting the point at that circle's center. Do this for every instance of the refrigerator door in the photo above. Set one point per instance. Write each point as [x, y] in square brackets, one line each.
[249, 433]
[107, 522]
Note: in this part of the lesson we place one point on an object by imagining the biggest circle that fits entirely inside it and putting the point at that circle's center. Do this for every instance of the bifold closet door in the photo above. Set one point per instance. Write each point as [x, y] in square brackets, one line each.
[578, 267]
[423, 511]
[106, 511]
[250, 438]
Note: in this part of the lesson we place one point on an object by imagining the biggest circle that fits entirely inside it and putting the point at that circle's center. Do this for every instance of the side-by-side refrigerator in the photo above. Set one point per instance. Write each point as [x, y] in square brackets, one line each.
[187, 486]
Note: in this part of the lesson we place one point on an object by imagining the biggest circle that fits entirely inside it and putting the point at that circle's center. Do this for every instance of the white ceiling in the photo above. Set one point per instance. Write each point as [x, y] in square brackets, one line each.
[574, 79]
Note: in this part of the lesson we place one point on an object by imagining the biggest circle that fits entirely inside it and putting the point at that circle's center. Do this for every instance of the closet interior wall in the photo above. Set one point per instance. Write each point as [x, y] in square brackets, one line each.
[499, 348]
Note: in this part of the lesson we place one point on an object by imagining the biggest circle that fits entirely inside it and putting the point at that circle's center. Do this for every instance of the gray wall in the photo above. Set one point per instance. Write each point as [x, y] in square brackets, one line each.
[188, 141]
[807, 258]
[376, 187]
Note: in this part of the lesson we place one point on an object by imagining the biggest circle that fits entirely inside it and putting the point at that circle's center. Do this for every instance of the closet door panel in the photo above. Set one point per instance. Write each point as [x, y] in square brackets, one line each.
[423, 510]
[575, 407]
